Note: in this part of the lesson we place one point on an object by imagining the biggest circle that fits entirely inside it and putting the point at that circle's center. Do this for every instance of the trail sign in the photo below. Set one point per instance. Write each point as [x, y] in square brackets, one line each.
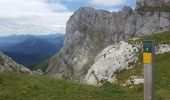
[147, 46]
[147, 52]
[149, 62]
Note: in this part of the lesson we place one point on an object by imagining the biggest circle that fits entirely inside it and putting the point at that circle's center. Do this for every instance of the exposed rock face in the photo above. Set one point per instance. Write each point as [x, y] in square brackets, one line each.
[8, 65]
[112, 59]
[134, 80]
[89, 31]
[115, 58]
[38, 72]
[163, 48]
[152, 3]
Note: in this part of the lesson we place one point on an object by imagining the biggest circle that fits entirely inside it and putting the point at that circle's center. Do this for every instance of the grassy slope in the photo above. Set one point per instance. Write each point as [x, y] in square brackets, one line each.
[43, 66]
[24, 87]
[162, 76]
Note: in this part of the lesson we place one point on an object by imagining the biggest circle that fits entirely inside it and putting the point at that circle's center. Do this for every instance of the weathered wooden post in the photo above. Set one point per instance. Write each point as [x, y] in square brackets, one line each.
[149, 63]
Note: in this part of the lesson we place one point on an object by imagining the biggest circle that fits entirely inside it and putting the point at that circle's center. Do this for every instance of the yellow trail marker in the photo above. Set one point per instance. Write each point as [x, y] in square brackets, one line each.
[147, 58]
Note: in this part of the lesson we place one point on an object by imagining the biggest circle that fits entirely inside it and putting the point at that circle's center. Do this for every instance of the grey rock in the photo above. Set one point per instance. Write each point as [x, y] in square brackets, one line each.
[152, 2]
[111, 59]
[89, 31]
[118, 57]
[38, 72]
[8, 65]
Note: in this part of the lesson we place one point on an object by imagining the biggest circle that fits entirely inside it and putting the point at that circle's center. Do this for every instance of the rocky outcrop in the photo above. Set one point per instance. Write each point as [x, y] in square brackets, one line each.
[116, 57]
[163, 48]
[8, 65]
[134, 80]
[111, 59]
[154, 3]
[89, 31]
[38, 72]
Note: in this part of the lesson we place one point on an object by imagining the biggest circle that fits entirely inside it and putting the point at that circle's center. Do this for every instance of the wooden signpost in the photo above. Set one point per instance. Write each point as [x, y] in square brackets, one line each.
[149, 63]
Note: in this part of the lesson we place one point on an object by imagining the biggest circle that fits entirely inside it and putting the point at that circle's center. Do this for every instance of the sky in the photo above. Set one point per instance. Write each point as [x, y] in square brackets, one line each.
[47, 16]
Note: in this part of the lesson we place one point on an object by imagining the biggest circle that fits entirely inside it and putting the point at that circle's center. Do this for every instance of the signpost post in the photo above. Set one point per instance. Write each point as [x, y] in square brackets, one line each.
[149, 63]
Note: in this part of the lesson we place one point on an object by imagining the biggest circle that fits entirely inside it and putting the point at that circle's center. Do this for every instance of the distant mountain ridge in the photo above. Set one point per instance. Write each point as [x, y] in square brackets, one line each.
[30, 50]
[32, 45]
[7, 41]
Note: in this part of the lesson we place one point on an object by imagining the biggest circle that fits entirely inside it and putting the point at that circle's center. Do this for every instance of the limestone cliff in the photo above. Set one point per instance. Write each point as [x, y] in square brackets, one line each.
[123, 55]
[8, 65]
[155, 3]
[89, 31]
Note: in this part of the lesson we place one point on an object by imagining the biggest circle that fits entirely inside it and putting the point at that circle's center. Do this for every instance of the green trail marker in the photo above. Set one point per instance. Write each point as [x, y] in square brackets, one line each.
[149, 63]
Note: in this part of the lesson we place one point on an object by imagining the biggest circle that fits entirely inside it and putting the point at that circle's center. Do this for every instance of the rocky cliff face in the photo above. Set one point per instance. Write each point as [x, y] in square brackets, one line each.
[89, 31]
[117, 57]
[111, 59]
[154, 3]
[8, 65]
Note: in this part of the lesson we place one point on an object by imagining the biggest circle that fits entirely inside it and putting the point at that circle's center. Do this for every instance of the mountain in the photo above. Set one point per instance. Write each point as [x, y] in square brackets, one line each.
[90, 31]
[53, 38]
[30, 50]
[33, 45]
[7, 41]
[8, 65]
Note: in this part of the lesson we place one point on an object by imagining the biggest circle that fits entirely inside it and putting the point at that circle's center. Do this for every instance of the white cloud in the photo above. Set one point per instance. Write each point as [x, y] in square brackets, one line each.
[112, 5]
[107, 2]
[32, 16]
[113, 10]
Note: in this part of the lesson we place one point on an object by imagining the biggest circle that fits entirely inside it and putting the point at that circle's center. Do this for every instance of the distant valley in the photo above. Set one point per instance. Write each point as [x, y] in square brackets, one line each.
[30, 50]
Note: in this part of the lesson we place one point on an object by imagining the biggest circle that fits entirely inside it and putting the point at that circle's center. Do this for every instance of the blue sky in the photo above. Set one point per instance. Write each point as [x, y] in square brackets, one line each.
[99, 4]
[47, 16]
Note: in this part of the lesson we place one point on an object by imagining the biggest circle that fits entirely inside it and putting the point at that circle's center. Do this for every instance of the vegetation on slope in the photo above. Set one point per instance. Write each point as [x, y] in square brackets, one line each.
[137, 70]
[159, 38]
[43, 66]
[25, 87]
[152, 9]
[1, 61]
[162, 73]
[162, 68]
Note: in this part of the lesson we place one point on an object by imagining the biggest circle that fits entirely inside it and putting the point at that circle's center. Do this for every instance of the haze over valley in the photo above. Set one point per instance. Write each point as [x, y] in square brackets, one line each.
[31, 50]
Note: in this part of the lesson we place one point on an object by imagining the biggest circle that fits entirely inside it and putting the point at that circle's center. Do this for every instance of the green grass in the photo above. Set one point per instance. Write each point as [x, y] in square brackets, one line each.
[43, 66]
[152, 9]
[162, 75]
[159, 38]
[1, 61]
[125, 74]
[162, 68]
[25, 87]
